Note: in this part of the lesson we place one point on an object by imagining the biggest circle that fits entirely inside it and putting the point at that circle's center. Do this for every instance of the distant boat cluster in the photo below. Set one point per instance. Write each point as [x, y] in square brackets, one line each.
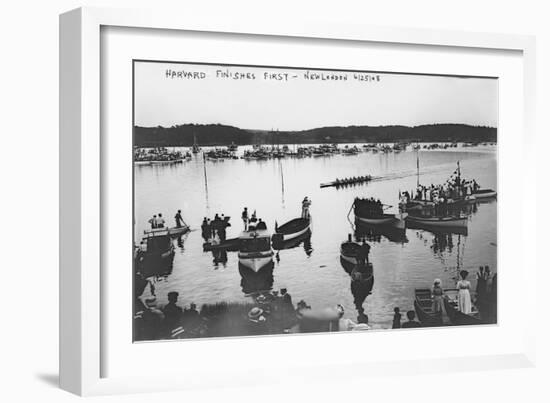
[161, 155]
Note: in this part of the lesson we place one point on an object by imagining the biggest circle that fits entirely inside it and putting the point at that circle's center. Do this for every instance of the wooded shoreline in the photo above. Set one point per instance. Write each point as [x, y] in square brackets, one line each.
[218, 135]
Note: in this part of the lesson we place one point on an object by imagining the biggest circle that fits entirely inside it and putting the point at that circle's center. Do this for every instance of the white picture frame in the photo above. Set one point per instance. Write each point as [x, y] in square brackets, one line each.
[82, 197]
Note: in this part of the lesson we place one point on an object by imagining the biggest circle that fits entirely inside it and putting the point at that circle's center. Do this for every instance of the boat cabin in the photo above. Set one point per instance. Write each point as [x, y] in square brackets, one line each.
[156, 241]
[255, 241]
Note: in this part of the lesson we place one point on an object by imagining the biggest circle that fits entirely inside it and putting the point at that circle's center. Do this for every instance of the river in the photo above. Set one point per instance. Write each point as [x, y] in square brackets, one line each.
[275, 188]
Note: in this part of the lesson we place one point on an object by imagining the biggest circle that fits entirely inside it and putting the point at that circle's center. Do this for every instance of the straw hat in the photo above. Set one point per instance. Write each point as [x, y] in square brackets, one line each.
[255, 313]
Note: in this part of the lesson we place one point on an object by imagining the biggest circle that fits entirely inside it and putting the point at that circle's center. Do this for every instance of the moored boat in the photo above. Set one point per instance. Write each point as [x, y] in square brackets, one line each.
[372, 213]
[172, 231]
[348, 254]
[423, 306]
[155, 253]
[455, 316]
[460, 221]
[291, 229]
[485, 193]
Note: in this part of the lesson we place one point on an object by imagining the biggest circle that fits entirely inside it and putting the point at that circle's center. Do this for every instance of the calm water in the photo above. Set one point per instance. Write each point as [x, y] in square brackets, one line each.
[275, 189]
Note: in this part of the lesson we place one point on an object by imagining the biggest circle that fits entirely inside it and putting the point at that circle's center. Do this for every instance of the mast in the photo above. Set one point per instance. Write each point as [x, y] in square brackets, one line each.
[205, 179]
[417, 171]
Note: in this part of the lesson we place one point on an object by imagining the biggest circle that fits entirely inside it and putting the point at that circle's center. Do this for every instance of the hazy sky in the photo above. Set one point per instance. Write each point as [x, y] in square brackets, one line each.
[168, 94]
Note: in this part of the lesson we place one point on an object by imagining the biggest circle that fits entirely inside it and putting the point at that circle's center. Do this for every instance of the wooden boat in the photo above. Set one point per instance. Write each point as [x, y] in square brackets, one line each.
[347, 181]
[291, 229]
[485, 193]
[367, 212]
[279, 244]
[455, 316]
[348, 252]
[155, 254]
[439, 222]
[423, 305]
[255, 249]
[392, 220]
[172, 231]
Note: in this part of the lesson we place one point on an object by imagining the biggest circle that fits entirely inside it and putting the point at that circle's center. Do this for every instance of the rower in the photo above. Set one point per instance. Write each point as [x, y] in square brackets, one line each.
[179, 219]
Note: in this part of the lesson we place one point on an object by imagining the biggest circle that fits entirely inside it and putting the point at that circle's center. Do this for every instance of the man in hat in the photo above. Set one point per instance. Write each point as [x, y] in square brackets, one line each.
[287, 299]
[172, 312]
[256, 321]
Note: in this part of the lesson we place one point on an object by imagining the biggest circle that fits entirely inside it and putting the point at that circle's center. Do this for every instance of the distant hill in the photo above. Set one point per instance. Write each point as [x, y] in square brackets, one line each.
[216, 134]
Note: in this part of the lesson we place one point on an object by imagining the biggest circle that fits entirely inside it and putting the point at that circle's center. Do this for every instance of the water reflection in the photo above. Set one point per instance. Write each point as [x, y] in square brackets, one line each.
[375, 233]
[361, 274]
[253, 282]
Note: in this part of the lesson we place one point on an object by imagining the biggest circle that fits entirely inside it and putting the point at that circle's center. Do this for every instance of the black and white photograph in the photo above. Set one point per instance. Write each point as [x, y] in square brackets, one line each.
[273, 200]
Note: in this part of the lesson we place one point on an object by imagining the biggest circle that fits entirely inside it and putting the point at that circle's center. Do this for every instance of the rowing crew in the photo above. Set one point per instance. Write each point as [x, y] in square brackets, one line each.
[354, 179]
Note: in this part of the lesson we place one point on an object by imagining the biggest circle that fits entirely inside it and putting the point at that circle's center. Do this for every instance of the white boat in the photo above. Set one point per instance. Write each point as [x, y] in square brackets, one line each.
[484, 193]
[172, 231]
[391, 220]
[440, 222]
[255, 249]
[293, 228]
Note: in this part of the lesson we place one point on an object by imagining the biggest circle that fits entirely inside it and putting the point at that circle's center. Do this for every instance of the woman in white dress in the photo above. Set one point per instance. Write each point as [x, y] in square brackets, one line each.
[464, 300]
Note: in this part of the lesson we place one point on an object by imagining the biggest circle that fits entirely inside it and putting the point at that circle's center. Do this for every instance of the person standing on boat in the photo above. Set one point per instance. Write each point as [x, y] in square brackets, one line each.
[153, 222]
[244, 217]
[160, 221]
[437, 293]
[305, 207]
[464, 300]
[179, 219]
[363, 254]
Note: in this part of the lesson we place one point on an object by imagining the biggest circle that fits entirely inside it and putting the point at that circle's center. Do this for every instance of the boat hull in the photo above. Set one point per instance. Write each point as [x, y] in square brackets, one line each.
[392, 220]
[294, 235]
[257, 261]
[439, 222]
[423, 306]
[485, 194]
[458, 318]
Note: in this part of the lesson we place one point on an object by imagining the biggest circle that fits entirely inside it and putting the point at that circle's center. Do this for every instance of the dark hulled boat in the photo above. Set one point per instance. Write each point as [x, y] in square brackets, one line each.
[423, 305]
[485, 194]
[372, 213]
[455, 316]
[291, 229]
[155, 254]
[459, 221]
